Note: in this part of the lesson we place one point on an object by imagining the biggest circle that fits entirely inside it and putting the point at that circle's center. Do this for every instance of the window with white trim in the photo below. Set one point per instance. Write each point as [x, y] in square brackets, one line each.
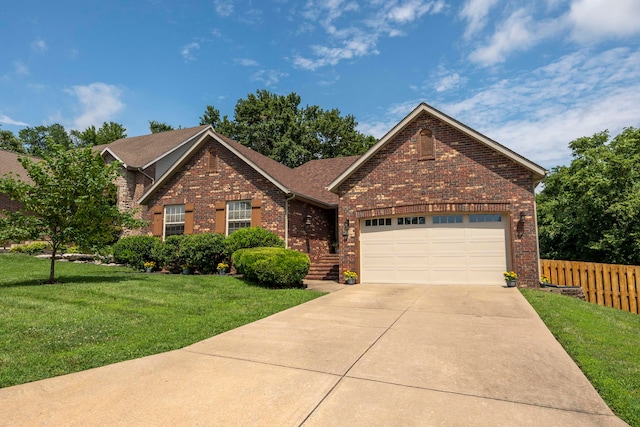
[238, 215]
[173, 220]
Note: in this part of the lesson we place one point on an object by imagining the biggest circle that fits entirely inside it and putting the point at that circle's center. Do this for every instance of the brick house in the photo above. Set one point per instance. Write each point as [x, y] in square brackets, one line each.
[432, 202]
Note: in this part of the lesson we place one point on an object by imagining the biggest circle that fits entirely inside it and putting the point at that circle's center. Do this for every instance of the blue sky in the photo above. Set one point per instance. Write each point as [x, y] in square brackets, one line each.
[531, 75]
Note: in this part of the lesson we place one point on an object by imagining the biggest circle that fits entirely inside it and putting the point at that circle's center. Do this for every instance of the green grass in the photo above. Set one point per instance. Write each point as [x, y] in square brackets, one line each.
[604, 342]
[100, 315]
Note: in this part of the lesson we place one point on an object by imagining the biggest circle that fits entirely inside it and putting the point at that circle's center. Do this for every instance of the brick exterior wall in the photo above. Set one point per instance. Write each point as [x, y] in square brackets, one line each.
[235, 180]
[465, 176]
[132, 184]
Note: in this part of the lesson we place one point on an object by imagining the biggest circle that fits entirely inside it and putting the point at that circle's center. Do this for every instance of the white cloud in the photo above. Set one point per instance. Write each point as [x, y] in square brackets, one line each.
[6, 120]
[223, 8]
[514, 34]
[448, 81]
[246, 62]
[187, 51]
[598, 19]
[475, 12]
[39, 46]
[20, 69]
[99, 102]
[268, 77]
[412, 10]
[360, 36]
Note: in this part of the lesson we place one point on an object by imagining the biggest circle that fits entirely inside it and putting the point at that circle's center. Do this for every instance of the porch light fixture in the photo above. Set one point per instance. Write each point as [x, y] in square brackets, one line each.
[345, 228]
[523, 214]
[307, 220]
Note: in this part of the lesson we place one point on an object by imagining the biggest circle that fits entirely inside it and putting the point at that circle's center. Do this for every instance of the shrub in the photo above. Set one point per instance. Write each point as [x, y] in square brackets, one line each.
[252, 237]
[273, 267]
[30, 248]
[168, 255]
[135, 250]
[203, 251]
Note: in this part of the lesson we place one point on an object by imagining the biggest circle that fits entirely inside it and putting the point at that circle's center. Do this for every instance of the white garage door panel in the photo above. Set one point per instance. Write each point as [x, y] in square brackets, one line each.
[459, 253]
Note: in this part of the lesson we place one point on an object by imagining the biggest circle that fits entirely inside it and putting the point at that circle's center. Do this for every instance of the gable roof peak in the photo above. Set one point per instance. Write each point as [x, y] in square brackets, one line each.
[537, 171]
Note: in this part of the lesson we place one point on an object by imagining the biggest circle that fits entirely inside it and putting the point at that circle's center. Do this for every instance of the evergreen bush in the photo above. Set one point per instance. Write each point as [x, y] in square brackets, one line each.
[252, 237]
[135, 250]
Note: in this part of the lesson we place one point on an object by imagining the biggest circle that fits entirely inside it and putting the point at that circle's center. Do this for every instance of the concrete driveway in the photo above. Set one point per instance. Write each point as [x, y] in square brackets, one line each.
[364, 355]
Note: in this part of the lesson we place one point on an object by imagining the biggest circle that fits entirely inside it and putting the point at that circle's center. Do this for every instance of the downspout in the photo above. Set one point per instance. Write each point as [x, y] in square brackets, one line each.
[286, 220]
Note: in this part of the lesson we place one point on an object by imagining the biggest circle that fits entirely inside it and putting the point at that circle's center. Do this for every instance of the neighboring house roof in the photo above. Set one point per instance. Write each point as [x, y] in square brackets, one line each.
[306, 182]
[538, 172]
[9, 164]
[142, 151]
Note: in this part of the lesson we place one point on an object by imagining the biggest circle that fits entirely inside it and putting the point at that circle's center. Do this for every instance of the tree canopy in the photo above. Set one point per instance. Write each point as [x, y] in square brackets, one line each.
[278, 127]
[71, 200]
[107, 133]
[590, 210]
[157, 127]
[39, 141]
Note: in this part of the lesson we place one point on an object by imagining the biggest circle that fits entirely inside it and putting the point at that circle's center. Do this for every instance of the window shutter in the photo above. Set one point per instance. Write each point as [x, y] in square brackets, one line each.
[188, 218]
[212, 160]
[158, 220]
[426, 147]
[256, 213]
[221, 220]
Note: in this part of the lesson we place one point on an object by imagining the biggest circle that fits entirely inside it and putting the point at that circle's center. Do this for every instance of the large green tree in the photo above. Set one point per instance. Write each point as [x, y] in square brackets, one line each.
[590, 210]
[40, 140]
[278, 127]
[8, 141]
[70, 200]
[107, 133]
[157, 127]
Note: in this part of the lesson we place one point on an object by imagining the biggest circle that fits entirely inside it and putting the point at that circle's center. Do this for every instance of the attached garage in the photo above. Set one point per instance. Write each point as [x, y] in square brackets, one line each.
[450, 249]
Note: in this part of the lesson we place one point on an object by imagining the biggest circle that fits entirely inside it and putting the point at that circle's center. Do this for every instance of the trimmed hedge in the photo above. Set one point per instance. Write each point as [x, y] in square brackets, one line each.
[135, 250]
[252, 237]
[272, 267]
[168, 254]
[203, 251]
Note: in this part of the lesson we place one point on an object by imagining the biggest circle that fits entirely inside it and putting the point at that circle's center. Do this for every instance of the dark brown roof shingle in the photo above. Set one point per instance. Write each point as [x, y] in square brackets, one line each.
[138, 151]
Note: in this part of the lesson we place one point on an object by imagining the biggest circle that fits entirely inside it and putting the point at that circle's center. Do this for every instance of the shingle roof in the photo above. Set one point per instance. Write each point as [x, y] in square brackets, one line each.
[139, 151]
[317, 174]
[9, 163]
[308, 180]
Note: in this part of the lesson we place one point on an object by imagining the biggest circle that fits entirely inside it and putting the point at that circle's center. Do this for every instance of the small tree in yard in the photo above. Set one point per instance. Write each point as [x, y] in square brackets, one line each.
[70, 200]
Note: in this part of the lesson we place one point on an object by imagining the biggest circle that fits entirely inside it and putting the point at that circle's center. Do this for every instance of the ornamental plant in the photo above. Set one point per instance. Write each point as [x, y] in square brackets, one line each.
[149, 264]
[223, 266]
[350, 275]
[545, 279]
[510, 275]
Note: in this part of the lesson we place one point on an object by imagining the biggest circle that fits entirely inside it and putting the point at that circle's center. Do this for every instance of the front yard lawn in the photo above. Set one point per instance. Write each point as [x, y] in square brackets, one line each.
[603, 341]
[100, 315]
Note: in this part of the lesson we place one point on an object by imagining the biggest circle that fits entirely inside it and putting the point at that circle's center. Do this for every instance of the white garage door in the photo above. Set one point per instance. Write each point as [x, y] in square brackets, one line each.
[439, 249]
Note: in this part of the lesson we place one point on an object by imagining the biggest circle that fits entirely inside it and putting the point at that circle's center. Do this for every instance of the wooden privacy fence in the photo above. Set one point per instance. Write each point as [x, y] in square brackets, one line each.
[611, 285]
